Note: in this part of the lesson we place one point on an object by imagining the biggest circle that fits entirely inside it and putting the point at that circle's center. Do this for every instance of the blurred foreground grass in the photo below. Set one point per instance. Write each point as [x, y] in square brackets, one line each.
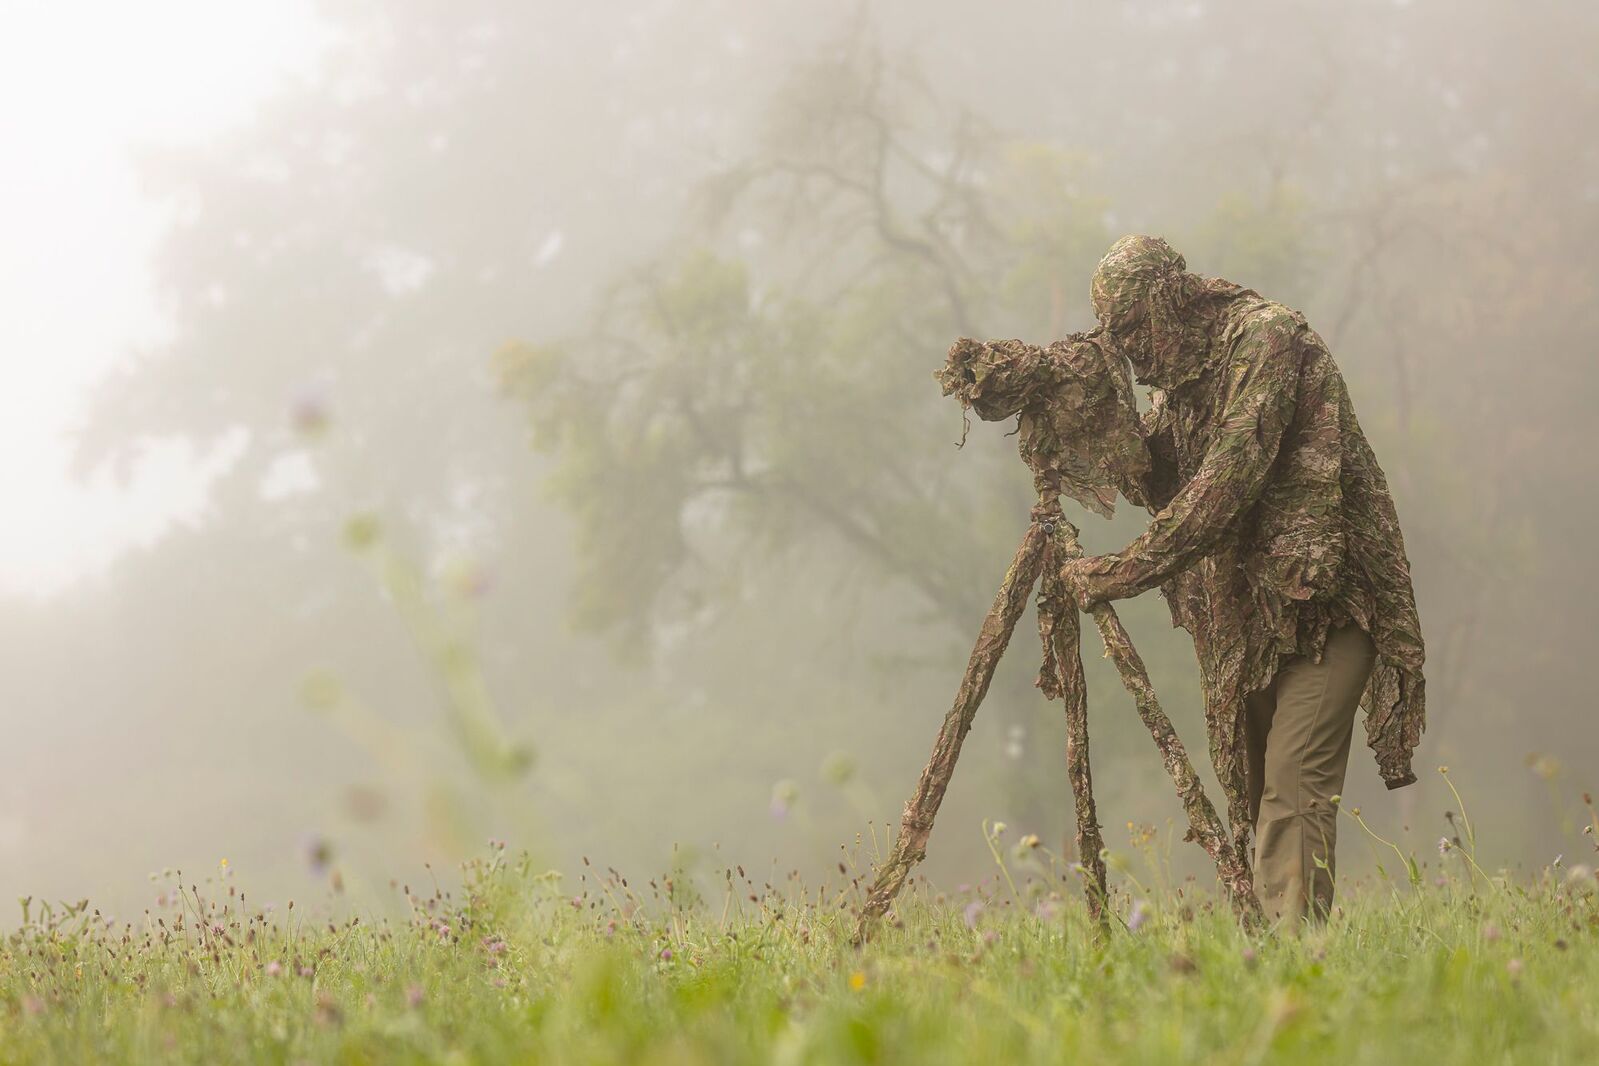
[520, 965]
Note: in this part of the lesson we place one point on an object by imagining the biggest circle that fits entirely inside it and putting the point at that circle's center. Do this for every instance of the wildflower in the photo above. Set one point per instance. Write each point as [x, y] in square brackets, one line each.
[973, 911]
[666, 954]
[223, 864]
[413, 997]
[784, 795]
[1047, 910]
[990, 935]
[1137, 916]
[857, 981]
[999, 829]
[318, 851]
[362, 531]
[465, 576]
[1514, 968]
[1490, 932]
[1028, 842]
[1251, 959]
[274, 968]
[1444, 845]
[1545, 766]
[839, 768]
[309, 414]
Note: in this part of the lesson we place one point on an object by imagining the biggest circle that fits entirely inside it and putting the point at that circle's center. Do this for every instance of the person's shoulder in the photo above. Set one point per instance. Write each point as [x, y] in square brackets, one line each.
[1265, 333]
[1263, 343]
[1255, 316]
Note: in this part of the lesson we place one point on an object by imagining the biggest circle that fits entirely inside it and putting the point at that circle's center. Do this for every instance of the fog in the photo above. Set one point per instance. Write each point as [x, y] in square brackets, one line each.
[434, 422]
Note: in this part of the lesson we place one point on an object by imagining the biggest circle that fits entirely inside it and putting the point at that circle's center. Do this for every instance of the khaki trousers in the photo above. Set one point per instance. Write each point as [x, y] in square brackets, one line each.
[1297, 732]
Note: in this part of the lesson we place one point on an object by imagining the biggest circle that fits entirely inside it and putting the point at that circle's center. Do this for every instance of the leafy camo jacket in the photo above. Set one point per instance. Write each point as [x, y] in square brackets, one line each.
[1273, 523]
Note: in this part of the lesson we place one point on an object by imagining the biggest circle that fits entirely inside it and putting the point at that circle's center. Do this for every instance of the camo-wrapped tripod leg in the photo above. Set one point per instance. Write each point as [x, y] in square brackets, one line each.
[916, 823]
[1062, 678]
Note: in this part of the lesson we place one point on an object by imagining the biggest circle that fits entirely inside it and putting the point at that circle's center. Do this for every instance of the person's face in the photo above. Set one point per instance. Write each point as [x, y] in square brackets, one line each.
[1129, 331]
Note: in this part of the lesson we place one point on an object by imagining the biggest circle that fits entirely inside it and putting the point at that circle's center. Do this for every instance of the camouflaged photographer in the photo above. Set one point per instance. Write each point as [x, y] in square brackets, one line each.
[1275, 540]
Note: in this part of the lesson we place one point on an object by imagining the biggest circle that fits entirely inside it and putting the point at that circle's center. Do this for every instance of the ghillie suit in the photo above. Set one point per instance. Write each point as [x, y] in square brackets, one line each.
[1273, 522]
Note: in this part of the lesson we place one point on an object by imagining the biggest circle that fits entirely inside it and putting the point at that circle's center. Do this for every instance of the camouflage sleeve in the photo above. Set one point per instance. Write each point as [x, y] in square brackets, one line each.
[1260, 403]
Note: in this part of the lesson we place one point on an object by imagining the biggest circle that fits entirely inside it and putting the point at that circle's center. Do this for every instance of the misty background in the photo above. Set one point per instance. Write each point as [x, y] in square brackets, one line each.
[433, 421]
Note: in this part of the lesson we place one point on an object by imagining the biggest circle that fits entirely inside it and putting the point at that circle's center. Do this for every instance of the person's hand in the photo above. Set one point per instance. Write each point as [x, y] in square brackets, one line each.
[1082, 584]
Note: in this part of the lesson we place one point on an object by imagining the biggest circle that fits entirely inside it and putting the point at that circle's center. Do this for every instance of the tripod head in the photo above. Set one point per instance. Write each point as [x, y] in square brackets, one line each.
[1078, 425]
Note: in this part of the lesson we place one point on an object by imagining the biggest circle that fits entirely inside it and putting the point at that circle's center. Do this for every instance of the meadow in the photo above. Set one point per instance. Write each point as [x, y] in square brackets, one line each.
[1437, 960]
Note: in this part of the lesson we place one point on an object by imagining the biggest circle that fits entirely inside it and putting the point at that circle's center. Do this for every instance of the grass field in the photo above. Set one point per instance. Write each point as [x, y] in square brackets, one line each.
[1442, 964]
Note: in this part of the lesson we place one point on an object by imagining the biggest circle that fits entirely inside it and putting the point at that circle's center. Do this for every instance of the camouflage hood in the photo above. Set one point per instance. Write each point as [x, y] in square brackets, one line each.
[1155, 311]
[1073, 400]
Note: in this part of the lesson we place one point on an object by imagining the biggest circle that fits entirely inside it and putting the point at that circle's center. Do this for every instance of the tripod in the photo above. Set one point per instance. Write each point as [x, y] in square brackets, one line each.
[1049, 541]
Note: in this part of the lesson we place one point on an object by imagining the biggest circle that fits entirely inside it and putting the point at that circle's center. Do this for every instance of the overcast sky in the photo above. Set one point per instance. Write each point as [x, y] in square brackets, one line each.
[80, 82]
